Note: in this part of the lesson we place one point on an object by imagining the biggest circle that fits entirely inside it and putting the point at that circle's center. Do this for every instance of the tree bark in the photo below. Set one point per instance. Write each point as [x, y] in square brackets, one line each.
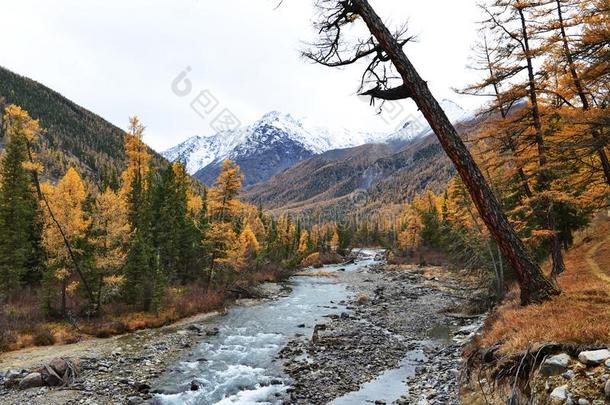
[535, 287]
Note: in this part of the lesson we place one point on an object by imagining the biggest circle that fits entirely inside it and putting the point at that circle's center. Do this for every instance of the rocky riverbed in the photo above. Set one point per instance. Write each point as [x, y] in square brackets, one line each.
[402, 318]
[396, 336]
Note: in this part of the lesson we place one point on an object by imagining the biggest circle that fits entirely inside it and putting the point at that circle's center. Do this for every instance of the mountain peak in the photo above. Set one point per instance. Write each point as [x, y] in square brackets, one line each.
[279, 138]
[272, 115]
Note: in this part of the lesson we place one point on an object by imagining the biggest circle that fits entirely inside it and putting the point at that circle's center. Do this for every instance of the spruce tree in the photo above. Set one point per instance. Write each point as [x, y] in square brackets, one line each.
[144, 282]
[21, 255]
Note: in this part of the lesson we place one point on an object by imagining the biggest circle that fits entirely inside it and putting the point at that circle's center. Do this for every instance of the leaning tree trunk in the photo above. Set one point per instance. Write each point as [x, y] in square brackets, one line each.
[535, 287]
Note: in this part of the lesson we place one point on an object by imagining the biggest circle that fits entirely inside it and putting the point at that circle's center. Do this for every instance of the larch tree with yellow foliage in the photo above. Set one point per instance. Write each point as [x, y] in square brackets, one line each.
[246, 249]
[110, 234]
[223, 201]
[304, 242]
[409, 238]
[334, 242]
[66, 201]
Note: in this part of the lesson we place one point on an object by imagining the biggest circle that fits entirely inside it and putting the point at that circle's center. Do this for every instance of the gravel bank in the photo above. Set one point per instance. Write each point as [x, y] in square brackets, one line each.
[400, 317]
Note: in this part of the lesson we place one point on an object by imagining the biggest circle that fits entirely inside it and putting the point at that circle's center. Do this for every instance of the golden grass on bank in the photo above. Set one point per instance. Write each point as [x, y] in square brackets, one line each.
[22, 323]
[320, 259]
[581, 314]
[179, 303]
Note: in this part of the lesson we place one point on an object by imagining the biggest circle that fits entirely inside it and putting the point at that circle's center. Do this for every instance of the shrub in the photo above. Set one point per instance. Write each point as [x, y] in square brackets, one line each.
[43, 337]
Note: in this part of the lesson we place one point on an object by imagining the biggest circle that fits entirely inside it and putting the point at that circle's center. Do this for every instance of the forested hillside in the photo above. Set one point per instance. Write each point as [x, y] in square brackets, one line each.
[73, 135]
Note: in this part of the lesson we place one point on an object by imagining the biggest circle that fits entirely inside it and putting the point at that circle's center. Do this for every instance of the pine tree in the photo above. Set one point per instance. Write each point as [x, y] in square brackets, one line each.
[176, 236]
[144, 281]
[21, 255]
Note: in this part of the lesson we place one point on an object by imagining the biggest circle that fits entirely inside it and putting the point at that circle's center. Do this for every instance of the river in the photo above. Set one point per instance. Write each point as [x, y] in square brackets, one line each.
[238, 365]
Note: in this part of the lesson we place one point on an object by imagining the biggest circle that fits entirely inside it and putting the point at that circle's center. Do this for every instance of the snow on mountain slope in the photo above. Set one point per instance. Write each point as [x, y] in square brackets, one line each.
[416, 126]
[286, 140]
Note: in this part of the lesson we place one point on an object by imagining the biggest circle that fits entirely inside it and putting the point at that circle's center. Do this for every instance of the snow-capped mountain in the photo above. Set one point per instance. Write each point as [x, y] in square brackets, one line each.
[277, 141]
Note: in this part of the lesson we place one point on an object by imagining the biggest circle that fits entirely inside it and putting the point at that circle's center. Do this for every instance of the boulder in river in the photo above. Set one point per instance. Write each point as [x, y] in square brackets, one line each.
[594, 357]
[31, 380]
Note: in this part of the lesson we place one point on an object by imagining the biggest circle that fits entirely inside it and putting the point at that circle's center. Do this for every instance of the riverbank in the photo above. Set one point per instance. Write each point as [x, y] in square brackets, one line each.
[505, 360]
[368, 323]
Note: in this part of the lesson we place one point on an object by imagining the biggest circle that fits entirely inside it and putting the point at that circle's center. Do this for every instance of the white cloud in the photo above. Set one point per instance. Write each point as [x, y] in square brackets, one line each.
[118, 58]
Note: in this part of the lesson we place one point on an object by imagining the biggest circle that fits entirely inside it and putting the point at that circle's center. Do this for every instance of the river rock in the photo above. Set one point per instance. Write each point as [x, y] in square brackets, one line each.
[31, 380]
[211, 331]
[583, 401]
[143, 387]
[59, 365]
[50, 377]
[560, 393]
[594, 357]
[12, 374]
[134, 400]
[555, 365]
[607, 389]
[196, 328]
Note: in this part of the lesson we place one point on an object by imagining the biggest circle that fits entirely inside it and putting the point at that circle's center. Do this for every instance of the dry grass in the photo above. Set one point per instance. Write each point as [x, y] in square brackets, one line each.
[22, 323]
[581, 314]
[321, 259]
[270, 273]
[179, 303]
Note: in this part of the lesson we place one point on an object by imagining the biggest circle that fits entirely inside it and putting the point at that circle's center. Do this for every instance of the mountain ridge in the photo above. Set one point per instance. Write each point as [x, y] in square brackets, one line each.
[74, 136]
[277, 141]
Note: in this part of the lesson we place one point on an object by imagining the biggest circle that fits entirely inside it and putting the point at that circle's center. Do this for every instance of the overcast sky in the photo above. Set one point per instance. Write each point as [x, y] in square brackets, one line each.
[119, 58]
